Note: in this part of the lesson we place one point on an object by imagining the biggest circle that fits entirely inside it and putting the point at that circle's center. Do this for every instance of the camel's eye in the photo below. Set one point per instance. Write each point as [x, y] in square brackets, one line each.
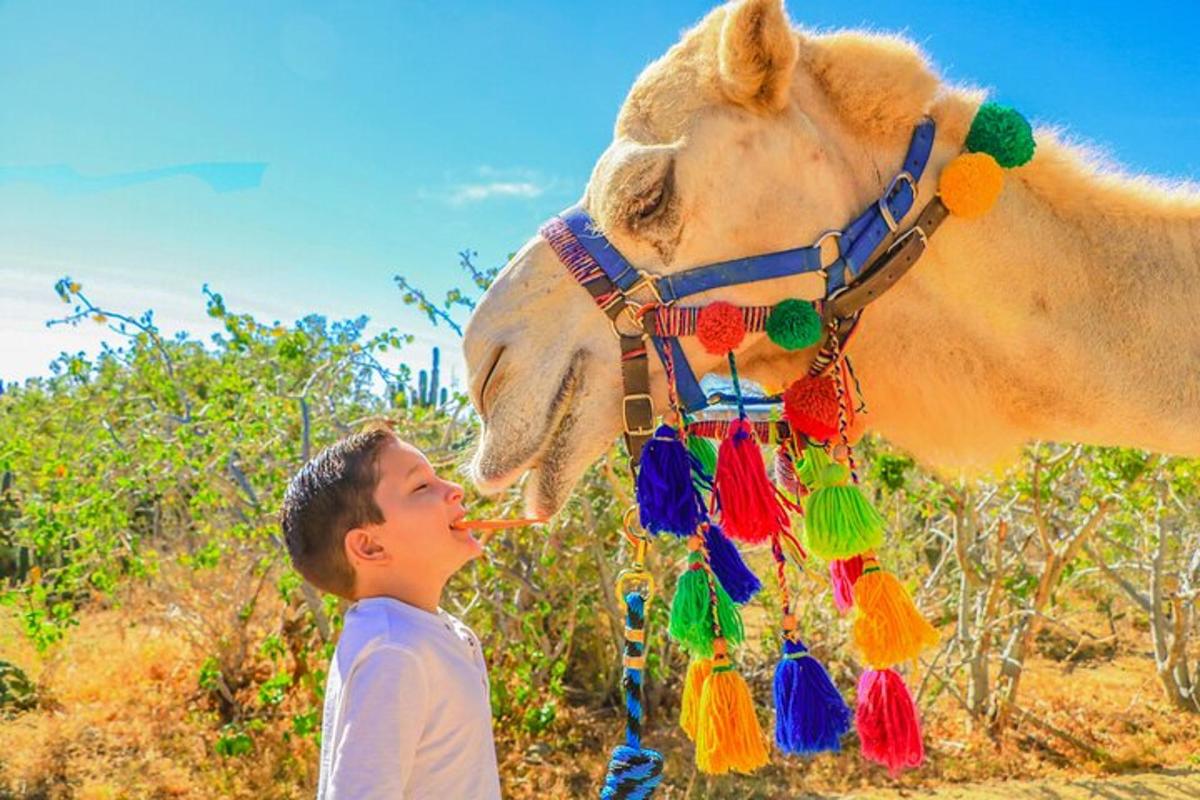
[645, 207]
[648, 204]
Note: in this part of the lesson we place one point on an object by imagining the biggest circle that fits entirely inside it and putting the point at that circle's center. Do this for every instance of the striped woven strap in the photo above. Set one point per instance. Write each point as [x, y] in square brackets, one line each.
[681, 320]
[766, 431]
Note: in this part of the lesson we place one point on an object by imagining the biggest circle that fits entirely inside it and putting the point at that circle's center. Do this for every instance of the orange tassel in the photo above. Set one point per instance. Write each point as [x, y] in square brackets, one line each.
[888, 629]
[689, 710]
[728, 736]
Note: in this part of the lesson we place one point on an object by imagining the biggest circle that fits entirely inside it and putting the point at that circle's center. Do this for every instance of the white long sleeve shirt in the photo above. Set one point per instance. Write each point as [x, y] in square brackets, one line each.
[407, 709]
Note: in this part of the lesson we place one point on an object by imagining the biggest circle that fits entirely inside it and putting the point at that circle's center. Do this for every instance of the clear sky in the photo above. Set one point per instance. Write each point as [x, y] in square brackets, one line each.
[296, 155]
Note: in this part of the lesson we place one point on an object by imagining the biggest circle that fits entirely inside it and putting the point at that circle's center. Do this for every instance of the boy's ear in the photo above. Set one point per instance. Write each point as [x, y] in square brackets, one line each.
[362, 544]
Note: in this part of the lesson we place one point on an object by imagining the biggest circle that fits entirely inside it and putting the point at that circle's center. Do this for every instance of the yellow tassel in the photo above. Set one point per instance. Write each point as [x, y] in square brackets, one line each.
[888, 629]
[728, 736]
[697, 675]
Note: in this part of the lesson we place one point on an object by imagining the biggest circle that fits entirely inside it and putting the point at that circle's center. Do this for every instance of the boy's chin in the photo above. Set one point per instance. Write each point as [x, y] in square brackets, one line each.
[470, 547]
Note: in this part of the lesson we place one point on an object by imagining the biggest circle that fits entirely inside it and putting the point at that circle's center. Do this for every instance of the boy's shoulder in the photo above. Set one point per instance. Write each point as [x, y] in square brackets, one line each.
[375, 621]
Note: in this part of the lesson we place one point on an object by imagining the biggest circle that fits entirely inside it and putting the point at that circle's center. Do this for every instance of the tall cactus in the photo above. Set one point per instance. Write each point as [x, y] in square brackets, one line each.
[428, 394]
[435, 377]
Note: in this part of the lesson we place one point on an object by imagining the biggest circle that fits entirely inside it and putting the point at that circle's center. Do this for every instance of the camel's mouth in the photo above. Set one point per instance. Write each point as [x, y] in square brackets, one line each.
[543, 457]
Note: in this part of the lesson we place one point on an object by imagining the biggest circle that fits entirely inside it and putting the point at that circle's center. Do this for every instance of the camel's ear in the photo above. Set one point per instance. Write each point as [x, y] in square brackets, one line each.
[878, 84]
[756, 54]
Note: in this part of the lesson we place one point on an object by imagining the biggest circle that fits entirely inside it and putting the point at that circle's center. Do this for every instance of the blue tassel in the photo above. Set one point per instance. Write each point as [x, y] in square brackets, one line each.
[666, 495]
[810, 714]
[726, 562]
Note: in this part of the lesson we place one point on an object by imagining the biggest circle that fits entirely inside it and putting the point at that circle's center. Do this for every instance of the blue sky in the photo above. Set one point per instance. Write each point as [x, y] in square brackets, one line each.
[373, 138]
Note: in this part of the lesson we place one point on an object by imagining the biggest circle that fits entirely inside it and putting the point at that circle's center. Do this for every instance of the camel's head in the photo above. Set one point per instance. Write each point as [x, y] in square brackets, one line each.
[747, 137]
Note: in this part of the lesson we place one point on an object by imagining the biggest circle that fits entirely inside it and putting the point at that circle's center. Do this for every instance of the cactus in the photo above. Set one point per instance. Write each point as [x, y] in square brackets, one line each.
[428, 394]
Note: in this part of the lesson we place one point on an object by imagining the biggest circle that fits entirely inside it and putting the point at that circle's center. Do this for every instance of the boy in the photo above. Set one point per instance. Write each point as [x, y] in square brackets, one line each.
[407, 711]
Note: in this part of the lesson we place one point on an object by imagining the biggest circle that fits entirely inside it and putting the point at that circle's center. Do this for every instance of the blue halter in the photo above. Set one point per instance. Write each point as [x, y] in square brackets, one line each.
[856, 243]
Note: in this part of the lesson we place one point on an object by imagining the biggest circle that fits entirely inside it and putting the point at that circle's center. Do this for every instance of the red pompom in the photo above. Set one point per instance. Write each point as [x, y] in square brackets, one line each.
[811, 407]
[887, 721]
[720, 327]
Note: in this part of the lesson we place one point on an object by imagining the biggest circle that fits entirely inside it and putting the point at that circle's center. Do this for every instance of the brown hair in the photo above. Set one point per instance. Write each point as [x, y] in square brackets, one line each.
[331, 494]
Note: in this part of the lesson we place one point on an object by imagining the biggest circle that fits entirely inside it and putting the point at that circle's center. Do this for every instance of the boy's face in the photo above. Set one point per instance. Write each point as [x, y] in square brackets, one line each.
[419, 510]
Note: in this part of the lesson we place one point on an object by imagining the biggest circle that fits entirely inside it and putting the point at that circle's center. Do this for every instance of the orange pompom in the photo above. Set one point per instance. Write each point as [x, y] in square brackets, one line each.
[720, 327]
[971, 184]
[810, 406]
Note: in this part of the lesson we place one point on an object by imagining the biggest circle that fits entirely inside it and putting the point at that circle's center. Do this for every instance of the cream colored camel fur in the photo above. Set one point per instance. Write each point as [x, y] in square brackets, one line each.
[1070, 312]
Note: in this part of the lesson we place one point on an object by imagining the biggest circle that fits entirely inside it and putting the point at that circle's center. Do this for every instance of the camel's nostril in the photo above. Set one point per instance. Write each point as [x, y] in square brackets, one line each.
[481, 394]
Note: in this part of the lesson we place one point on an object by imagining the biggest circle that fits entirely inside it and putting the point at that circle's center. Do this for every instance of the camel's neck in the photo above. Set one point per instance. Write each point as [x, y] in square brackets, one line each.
[1069, 312]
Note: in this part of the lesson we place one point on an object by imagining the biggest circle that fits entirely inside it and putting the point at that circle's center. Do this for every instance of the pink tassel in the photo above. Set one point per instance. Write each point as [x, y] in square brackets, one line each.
[843, 575]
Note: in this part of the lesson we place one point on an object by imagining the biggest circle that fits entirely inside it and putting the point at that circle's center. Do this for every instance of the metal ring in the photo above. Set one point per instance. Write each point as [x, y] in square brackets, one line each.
[627, 575]
[632, 528]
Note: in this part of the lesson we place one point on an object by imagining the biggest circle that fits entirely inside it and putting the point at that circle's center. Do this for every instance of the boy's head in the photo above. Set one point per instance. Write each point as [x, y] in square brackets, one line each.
[368, 515]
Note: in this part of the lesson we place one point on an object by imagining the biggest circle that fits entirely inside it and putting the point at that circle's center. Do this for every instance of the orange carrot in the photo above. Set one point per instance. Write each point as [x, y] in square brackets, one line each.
[488, 527]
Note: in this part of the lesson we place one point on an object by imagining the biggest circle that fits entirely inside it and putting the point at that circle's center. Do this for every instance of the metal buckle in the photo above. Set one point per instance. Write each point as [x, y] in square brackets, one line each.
[632, 315]
[639, 539]
[904, 237]
[647, 280]
[649, 401]
[891, 187]
[835, 233]
[633, 309]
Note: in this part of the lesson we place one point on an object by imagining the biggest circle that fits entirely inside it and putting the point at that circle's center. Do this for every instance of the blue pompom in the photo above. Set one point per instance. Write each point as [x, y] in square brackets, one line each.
[667, 496]
[810, 714]
[727, 564]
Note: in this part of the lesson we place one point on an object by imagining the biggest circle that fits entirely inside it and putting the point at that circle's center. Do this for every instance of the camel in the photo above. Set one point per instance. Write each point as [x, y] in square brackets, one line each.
[1068, 313]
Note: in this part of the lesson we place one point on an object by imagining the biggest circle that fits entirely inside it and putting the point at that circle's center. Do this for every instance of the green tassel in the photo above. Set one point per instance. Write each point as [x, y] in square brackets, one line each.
[812, 466]
[840, 522]
[691, 624]
[705, 452]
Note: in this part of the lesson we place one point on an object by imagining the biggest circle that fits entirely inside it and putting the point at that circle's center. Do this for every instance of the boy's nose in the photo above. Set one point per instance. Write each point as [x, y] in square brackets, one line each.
[456, 493]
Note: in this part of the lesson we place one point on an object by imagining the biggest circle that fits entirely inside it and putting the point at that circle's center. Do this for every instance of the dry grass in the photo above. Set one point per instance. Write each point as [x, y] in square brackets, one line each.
[123, 719]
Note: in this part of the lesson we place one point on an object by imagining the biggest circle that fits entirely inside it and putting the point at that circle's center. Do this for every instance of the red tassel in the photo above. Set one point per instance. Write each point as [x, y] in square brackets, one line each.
[750, 504]
[887, 723]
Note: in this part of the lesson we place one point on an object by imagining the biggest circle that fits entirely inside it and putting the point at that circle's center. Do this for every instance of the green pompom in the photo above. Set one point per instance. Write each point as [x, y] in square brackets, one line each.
[1002, 133]
[691, 623]
[794, 325]
[840, 522]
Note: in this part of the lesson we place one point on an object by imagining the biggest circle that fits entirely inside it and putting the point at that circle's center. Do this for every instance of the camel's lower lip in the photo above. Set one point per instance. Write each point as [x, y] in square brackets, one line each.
[549, 444]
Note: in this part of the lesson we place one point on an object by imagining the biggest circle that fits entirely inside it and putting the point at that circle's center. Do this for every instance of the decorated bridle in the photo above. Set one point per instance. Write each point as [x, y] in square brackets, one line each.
[814, 467]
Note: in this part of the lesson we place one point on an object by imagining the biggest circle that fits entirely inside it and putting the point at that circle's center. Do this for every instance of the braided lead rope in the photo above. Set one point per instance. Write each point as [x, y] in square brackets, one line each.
[633, 773]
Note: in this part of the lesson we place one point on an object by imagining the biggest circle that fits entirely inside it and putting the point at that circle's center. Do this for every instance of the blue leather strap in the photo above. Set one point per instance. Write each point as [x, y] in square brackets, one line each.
[739, 270]
[618, 270]
[869, 230]
[687, 388]
[857, 242]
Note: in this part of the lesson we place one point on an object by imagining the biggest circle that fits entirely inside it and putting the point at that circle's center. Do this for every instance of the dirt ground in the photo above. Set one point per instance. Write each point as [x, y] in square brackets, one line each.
[124, 722]
[1169, 784]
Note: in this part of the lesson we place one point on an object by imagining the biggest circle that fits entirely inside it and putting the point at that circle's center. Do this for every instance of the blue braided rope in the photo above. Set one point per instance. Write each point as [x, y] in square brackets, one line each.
[633, 773]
